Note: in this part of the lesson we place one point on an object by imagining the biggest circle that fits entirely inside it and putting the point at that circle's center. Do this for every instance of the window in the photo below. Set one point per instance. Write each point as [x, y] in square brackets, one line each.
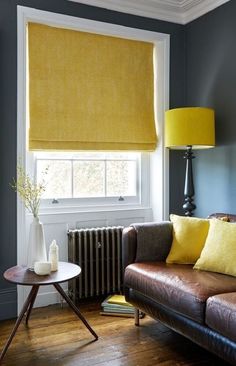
[75, 178]
[122, 117]
[155, 183]
[157, 180]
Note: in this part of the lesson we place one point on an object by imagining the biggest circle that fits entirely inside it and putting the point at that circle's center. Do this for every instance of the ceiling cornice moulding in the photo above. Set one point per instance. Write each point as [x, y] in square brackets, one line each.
[176, 11]
[200, 8]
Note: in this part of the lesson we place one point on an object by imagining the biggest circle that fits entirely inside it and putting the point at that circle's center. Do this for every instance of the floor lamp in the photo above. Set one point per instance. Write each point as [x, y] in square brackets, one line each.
[187, 129]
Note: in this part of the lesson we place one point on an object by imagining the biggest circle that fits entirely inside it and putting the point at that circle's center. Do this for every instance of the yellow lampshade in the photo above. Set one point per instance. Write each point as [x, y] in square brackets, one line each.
[190, 126]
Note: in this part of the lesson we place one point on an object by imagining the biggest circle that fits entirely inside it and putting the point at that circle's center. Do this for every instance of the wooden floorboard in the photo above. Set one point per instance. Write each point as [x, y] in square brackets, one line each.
[55, 336]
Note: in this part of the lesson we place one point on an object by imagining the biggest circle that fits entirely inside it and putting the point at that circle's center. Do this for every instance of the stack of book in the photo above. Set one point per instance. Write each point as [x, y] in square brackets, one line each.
[117, 306]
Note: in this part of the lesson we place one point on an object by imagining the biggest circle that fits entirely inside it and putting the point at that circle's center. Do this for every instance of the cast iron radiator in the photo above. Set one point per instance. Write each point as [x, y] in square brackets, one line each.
[98, 252]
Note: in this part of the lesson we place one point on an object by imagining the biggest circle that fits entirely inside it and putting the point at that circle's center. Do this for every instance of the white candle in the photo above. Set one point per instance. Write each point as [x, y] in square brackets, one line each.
[54, 255]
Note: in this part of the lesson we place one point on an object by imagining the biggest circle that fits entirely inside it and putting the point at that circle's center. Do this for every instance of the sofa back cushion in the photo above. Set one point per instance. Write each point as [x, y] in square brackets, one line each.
[153, 241]
[223, 216]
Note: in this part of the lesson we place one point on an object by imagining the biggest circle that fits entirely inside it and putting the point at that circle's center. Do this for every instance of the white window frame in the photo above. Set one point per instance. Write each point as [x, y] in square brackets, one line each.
[141, 199]
[159, 178]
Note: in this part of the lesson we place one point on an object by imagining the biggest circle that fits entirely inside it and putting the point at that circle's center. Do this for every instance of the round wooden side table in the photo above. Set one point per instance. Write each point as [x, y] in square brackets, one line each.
[21, 275]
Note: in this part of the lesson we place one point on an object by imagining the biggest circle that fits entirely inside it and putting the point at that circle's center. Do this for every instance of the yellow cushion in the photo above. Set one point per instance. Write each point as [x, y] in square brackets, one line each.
[219, 252]
[189, 236]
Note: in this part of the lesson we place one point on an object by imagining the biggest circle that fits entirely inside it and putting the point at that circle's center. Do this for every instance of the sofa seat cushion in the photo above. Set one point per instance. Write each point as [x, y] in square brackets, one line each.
[221, 314]
[178, 286]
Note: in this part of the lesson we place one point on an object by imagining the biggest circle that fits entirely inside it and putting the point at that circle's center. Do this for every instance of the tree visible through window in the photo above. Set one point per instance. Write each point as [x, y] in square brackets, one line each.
[89, 175]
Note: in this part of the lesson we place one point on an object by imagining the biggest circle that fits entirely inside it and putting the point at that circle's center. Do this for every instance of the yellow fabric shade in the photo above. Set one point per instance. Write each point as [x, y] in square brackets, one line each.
[190, 126]
[89, 91]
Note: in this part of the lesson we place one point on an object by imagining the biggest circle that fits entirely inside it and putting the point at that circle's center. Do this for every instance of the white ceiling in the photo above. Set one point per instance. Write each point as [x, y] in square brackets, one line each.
[177, 11]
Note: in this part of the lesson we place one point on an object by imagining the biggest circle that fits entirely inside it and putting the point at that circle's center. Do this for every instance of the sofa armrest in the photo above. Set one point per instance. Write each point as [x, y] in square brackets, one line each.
[129, 246]
[146, 242]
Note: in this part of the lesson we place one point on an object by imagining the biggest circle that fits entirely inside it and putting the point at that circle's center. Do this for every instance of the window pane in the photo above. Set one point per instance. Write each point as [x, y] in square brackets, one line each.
[58, 178]
[121, 178]
[89, 179]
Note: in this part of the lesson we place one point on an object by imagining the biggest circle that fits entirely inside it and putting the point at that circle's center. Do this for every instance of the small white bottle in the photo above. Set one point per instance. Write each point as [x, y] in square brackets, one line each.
[54, 255]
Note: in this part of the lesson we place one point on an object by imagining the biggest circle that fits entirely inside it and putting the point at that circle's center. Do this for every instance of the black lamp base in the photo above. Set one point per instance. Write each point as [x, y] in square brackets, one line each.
[188, 205]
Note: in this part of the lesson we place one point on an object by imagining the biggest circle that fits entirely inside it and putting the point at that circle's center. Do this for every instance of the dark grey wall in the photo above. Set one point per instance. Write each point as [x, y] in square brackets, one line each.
[8, 90]
[211, 81]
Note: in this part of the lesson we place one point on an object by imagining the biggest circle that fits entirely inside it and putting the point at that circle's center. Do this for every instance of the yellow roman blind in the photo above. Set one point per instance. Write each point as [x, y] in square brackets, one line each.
[89, 92]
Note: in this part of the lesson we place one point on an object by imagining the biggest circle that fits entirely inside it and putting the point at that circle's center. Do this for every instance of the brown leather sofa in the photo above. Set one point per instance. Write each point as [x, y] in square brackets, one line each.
[200, 305]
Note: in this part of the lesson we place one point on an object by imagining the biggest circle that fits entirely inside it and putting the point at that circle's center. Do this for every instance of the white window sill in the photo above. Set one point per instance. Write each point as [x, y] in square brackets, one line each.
[90, 209]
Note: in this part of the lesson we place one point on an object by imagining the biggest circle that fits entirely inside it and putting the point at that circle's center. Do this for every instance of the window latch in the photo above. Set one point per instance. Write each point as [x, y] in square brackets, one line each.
[55, 201]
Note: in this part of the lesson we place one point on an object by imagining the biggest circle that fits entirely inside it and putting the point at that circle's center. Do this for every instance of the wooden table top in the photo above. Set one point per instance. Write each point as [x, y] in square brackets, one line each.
[21, 275]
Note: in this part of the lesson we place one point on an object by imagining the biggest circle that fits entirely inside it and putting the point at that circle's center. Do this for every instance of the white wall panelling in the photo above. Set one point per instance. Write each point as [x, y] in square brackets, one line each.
[57, 225]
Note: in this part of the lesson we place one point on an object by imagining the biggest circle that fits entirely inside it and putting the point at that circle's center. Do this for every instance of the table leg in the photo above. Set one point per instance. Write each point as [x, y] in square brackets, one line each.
[26, 305]
[75, 309]
[28, 312]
